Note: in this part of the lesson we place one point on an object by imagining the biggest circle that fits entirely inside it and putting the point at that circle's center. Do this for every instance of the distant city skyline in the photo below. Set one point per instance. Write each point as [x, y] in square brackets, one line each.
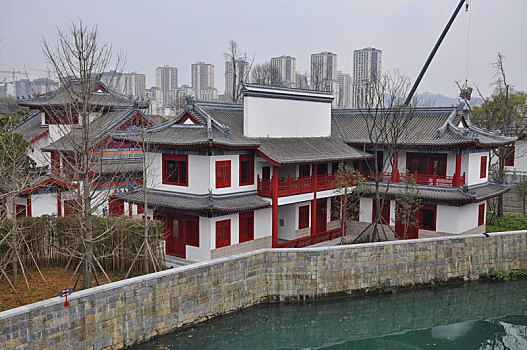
[405, 31]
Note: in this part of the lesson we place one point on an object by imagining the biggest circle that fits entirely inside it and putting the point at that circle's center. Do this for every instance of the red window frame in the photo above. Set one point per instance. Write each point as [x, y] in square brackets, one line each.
[247, 161]
[509, 155]
[483, 167]
[481, 214]
[191, 237]
[140, 209]
[303, 217]
[223, 173]
[115, 206]
[420, 217]
[336, 208]
[181, 178]
[246, 227]
[223, 233]
[20, 211]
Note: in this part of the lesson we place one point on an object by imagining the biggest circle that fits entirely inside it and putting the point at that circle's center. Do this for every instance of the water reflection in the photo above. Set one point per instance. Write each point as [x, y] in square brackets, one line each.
[478, 315]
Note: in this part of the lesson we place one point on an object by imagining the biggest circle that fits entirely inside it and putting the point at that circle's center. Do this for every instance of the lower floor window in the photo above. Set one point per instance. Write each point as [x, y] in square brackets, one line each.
[246, 227]
[223, 233]
[481, 214]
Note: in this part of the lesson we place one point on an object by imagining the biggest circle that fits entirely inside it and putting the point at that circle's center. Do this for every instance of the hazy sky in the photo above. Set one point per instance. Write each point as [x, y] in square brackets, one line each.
[179, 33]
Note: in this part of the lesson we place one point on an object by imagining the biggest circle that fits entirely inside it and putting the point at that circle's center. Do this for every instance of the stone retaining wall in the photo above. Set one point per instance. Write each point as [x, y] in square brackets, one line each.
[126, 312]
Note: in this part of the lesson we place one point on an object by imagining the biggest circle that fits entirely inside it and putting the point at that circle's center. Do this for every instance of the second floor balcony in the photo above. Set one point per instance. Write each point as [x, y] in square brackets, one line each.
[296, 185]
[419, 179]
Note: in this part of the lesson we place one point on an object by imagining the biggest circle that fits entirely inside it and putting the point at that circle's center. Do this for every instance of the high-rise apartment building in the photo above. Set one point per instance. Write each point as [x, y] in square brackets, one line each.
[166, 80]
[126, 83]
[23, 88]
[285, 66]
[323, 70]
[344, 94]
[231, 79]
[367, 70]
[202, 79]
[43, 85]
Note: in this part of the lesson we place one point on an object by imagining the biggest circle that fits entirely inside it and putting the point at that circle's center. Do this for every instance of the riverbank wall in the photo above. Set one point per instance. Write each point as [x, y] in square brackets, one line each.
[123, 313]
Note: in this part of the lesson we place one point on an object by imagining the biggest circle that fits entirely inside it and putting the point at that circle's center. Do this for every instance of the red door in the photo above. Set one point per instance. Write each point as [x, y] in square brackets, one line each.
[412, 231]
[175, 241]
[322, 219]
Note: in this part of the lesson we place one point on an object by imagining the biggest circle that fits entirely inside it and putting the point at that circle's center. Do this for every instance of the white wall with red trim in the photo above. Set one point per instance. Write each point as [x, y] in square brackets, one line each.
[474, 168]
[456, 220]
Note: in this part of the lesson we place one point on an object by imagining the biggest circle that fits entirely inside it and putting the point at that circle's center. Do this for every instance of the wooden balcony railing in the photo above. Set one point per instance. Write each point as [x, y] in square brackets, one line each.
[420, 179]
[295, 185]
[313, 239]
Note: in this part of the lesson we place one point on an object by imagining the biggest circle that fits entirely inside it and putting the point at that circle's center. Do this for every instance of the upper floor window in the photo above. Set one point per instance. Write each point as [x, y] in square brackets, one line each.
[246, 169]
[175, 169]
[483, 167]
[509, 155]
[115, 206]
[223, 174]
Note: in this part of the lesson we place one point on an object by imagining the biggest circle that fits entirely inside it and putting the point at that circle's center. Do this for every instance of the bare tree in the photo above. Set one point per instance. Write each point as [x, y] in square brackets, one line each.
[504, 110]
[347, 201]
[265, 74]
[386, 122]
[79, 59]
[17, 173]
[239, 63]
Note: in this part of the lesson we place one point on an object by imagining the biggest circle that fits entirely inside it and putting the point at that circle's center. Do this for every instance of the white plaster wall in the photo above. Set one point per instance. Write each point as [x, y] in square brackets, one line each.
[40, 158]
[401, 163]
[56, 131]
[296, 198]
[43, 204]
[520, 158]
[263, 223]
[474, 165]
[235, 226]
[202, 253]
[456, 220]
[451, 164]
[201, 174]
[392, 213]
[288, 213]
[235, 175]
[198, 174]
[366, 209]
[265, 117]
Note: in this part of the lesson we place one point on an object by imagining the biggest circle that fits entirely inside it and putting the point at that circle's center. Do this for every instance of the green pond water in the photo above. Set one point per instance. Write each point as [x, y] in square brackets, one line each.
[476, 315]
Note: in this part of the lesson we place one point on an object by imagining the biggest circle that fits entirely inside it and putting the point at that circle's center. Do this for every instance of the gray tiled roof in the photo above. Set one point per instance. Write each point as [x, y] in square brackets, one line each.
[207, 202]
[115, 167]
[465, 194]
[433, 127]
[102, 126]
[66, 95]
[308, 150]
[31, 127]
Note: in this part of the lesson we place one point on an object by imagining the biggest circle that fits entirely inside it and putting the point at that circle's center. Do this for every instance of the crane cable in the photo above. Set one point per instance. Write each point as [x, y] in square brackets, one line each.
[468, 42]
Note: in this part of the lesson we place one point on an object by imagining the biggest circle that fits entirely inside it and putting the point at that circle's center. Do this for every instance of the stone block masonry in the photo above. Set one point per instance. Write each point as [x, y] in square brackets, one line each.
[122, 313]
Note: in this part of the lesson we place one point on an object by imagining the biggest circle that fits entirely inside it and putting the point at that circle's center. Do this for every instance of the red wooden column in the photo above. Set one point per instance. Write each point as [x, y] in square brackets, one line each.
[29, 209]
[59, 204]
[314, 202]
[274, 196]
[457, 174]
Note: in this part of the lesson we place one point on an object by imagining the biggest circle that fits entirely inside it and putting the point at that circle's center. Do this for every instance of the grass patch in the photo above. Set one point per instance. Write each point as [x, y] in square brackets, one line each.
[509, 222]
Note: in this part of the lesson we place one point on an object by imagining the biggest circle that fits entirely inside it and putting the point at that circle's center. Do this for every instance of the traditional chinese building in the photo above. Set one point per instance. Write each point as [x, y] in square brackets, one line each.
[227, 178]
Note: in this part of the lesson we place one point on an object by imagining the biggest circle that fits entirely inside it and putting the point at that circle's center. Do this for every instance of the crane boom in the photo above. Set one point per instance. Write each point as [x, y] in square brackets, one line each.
[432, 54]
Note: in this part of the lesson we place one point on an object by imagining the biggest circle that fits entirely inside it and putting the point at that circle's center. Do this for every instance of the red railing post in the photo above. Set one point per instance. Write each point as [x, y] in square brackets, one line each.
[415, 177]
[259, 185]
[434, 179]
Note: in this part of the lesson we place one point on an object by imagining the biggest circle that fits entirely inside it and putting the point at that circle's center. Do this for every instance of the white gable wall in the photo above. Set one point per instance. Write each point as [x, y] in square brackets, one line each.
[270, 117]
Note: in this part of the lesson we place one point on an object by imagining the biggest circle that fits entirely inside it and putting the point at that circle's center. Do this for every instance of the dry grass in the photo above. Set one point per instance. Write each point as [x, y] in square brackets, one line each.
[57, 280]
